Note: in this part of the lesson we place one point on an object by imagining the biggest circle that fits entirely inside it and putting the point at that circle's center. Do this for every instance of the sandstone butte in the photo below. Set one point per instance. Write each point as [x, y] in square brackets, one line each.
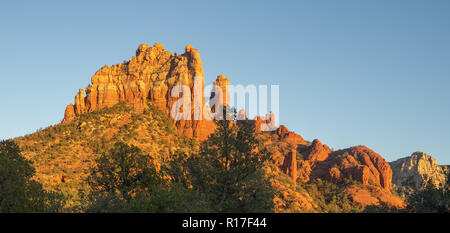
[153, 72]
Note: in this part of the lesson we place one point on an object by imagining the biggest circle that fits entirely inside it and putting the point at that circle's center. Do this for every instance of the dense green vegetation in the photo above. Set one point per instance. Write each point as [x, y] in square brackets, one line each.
[18, 191]
[124, 171]
[225, 176]
[125, 180]
[330, 197]
[430, 199]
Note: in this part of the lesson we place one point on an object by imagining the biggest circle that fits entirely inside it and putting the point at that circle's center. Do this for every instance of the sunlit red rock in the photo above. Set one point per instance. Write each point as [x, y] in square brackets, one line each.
[316, 152]
[69, 113]
[359, 163]
[290, 165]
[264, 124]
[283, 133]
[221, 90]
[147, 77]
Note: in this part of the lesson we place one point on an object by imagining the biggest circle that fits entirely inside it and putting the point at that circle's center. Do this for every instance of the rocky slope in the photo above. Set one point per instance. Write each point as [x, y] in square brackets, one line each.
[63, 155]
[415, 171]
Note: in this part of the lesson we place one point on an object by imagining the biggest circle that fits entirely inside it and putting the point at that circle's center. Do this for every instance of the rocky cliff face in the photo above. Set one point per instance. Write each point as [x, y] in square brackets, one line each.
[319, 161]
[359, 163]
[148, 76]
[416, 170]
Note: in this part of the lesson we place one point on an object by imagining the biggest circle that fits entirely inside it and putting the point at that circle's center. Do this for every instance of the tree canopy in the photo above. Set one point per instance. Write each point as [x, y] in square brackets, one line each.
[18, 191]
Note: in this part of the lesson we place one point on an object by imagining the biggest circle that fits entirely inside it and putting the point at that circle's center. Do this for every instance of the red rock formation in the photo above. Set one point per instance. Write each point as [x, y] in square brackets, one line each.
[258, 122]
[221, 89]
[283, 133]
[290, 165]
[266, 123]
[359, 163]
[148, 76]
[317, 152]
[69, 114]
[319, 161]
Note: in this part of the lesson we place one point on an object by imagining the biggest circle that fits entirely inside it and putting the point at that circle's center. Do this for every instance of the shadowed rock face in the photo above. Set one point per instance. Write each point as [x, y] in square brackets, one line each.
[148, 76]
[416, 170]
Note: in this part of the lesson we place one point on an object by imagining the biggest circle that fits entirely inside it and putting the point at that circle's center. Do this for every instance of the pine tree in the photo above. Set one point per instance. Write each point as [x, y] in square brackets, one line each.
[228, 169]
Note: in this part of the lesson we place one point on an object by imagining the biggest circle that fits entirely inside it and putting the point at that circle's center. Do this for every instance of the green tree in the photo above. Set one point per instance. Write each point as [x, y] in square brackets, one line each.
[173, 198]
[126, 181]
[124, 171]
[228, 169]
[430, 199]
[18, 191]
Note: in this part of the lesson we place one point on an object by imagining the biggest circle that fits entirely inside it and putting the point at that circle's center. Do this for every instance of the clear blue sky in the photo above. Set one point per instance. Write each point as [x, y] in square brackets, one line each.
[373, 73]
